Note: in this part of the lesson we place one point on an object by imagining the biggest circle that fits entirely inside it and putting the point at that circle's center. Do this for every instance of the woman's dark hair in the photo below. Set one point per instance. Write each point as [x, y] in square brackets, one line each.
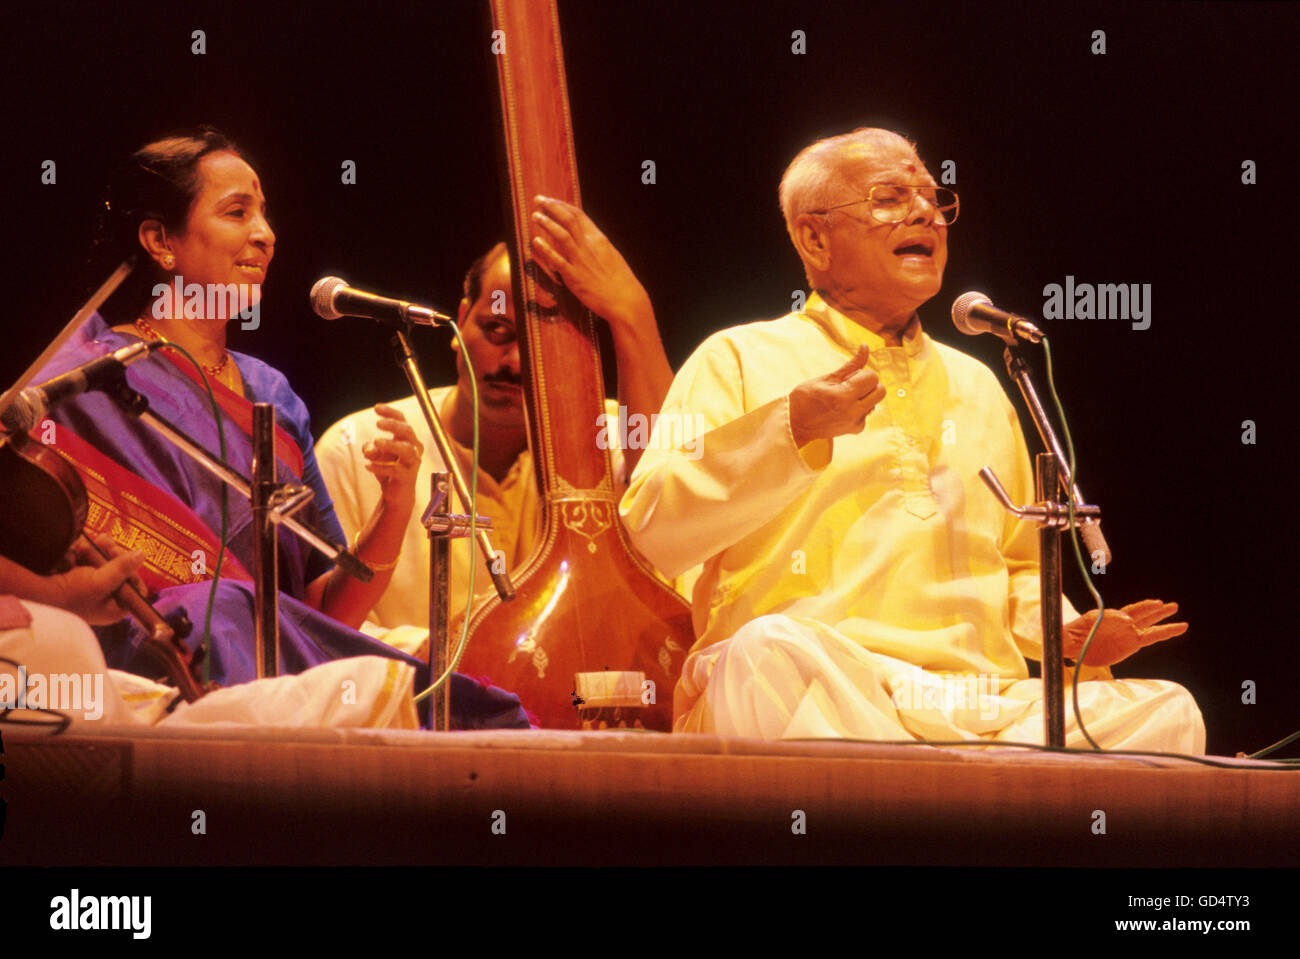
[158, 182]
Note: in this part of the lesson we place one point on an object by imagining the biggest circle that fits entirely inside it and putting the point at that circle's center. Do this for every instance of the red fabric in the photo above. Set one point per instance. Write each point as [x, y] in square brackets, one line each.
[136, 514]
[241, 411]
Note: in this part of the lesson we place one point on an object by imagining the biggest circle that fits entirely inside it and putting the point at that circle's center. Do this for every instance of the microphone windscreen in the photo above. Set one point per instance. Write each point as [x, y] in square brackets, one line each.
[961, 308]
[322, 296]
[21, 416]
[1094, 542]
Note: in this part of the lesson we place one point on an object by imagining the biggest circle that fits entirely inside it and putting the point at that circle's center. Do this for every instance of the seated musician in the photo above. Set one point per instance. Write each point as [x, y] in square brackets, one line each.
[191, 209]
[859, 579]
[43, 630]
[574, 250]
[52, 664]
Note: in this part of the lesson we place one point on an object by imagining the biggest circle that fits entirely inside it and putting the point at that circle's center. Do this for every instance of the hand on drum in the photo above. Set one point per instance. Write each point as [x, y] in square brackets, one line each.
[395, 462]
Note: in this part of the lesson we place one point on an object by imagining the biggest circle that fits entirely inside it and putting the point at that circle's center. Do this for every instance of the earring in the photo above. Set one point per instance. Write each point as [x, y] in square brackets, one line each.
[168, 261]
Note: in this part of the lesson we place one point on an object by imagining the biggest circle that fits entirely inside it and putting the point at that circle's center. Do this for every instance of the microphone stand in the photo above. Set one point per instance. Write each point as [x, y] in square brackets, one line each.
[273, 505]
[442, 527]
[405, 356]
[1018, 370]
[1052, 479]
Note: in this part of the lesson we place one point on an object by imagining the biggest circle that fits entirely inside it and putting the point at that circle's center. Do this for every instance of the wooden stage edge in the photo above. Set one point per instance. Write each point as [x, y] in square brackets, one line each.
[244, 796]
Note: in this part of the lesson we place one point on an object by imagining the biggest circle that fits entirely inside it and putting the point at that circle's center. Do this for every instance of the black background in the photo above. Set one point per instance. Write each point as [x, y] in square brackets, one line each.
[1122, 168]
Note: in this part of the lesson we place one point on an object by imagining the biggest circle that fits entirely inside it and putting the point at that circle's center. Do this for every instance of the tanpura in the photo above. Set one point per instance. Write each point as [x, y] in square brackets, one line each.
[585, 601]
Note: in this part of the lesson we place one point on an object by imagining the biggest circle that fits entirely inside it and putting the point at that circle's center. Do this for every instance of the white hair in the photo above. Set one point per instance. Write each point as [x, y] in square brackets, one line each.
[819, 176]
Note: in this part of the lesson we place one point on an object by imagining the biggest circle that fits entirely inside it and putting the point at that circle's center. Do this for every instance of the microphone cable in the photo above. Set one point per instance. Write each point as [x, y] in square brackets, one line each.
[473, 527]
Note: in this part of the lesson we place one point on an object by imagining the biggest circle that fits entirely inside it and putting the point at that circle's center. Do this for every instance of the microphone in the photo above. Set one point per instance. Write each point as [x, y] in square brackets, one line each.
[975, 313]
[331, 297]
[30, 406]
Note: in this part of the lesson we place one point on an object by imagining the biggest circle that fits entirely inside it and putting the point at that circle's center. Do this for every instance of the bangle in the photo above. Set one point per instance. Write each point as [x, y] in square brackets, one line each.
[374, 567]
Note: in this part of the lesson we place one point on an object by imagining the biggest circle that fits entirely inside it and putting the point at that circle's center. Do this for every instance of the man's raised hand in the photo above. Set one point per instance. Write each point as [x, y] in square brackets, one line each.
[837, 403]
[394, 462]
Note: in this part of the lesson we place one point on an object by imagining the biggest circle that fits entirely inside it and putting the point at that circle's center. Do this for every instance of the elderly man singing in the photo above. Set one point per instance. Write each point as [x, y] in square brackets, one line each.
[859, 580]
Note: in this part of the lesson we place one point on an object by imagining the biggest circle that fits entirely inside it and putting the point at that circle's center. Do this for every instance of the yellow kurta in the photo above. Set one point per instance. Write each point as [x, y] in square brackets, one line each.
[514, 505]
[886, 540]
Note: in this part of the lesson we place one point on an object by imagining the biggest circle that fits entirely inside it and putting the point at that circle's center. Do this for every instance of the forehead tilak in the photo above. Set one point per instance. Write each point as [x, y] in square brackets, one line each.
[878, 162]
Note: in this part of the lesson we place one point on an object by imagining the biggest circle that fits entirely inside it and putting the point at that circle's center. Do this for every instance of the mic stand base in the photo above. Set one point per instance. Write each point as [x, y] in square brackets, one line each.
[266, 558]
[443, 528]
[1053, 517]
[1046, 480]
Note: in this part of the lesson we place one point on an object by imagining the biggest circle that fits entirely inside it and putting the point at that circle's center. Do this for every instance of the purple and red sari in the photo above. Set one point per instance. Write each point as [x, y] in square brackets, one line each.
[146, 494]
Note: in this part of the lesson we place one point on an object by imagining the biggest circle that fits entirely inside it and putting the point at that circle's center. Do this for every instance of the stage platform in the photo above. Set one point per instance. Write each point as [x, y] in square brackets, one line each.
[298, 797]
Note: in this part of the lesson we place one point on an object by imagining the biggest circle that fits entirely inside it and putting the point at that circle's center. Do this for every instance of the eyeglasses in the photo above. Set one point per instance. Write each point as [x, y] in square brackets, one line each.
[890, 202]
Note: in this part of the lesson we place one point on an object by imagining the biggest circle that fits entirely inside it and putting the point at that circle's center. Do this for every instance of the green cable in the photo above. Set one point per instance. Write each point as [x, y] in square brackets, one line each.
[473, 526]
[225, 514]
[1276, 765]
[1078, 553]
[1276, 746]
[1101, 608]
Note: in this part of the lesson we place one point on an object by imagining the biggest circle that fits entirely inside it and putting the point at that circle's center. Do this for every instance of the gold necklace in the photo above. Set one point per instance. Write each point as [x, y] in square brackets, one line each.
[149, 333]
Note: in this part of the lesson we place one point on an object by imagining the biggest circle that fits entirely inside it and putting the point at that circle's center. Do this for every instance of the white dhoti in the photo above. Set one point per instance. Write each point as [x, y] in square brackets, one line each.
[55, 665]
[780, 677]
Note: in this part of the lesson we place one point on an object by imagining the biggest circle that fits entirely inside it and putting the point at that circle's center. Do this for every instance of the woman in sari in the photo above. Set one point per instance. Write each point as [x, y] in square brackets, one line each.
[192, 211]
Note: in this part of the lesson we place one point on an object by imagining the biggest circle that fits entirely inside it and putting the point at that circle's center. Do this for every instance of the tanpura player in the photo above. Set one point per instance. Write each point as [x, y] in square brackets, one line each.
[570, 246]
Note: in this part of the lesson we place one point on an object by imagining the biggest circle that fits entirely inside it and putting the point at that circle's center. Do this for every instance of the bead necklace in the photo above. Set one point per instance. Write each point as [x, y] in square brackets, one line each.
[149, 333]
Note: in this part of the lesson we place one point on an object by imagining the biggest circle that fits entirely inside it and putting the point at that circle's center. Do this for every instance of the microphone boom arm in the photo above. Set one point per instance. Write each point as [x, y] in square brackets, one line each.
[1090, 527]
[406, 360]
[137, 405]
